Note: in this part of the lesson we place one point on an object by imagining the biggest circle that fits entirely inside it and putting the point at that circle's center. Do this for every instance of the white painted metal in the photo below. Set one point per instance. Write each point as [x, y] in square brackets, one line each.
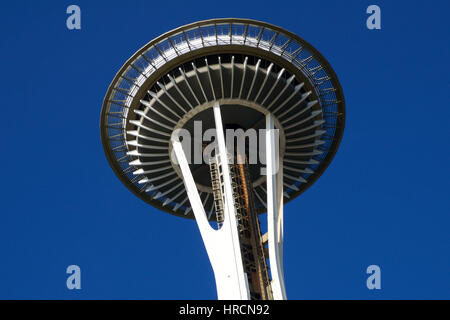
[222, 245]
[274, 211]
[229, 207]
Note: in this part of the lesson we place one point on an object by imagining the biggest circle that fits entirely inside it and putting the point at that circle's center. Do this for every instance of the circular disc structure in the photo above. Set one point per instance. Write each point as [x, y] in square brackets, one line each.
[251, 68]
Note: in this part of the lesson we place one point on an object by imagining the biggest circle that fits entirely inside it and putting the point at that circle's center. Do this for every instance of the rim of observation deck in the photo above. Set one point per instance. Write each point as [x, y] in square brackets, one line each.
[218, 48]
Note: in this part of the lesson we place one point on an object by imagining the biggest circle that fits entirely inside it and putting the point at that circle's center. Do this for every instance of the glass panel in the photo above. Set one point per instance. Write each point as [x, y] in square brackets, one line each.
[280, 40]
[132, 73]
[164, 45]
[253, 31]
[124, 84]
[167, 49]
[223, 33]
[178, 39]
[180, 43]
[152, 53]
[141, 63]
[267, 35]
[194, 38]
[252, 34]
[238, 31]
[208, 34]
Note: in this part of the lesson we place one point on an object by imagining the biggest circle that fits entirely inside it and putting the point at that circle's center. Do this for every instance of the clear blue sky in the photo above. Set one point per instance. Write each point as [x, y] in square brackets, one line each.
[384, 200]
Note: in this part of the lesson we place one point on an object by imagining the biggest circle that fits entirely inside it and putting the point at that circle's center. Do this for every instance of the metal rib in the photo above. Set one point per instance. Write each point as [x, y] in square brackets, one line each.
[254, 78]
[138, 154]
[163, 87]
[315, 134]
[163, 176]
[296, 90]
[138, 162]
[211, 210]
[140, 125]
[243, 76]
[155, 96]
[178, 194]
[145, 146]
[144, 115]
[179, 91]
[304, 96]
[199, 82]
[142, 171]
[290, 186]
[316, 124]
[162, 194]
[188, 85]
[299, 178]
[274, 85]
[259, 197]
[206, 199]
[307, 145]
[155, 186]
[210, 80]
[264, 82]
[312, 116]
[175, 208]
[232, 77]
[310, 161]
[286, 85]
[315, 152]
[137, 134]
[289, 168]
[221, 78]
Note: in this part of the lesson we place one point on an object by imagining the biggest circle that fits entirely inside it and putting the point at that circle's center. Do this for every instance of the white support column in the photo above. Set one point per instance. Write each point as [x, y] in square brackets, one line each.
[229, 207]
[222, 245]
[275, 210]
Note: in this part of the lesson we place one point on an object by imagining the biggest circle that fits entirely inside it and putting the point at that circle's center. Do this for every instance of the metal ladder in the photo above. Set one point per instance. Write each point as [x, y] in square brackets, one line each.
[216, 182]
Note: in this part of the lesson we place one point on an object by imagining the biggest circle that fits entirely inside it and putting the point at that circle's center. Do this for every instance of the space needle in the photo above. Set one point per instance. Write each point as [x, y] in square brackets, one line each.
[164, 128]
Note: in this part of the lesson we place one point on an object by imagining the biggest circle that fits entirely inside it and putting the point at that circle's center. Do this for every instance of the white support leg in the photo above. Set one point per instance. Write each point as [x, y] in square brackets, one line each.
[222, 245]
[275, 211]
[229, 207]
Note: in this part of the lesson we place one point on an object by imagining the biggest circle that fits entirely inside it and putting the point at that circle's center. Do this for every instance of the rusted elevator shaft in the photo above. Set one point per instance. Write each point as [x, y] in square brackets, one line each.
[252, 249]
[251, 242]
